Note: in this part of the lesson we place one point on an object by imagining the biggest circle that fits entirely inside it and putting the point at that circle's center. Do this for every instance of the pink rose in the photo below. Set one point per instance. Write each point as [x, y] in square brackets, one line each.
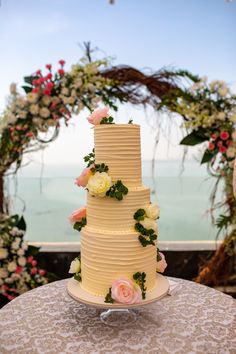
[125, 291]
[82, 180]
[42, 272]
[77, 215]
[96, 117]
[161, 265]
[33, 271]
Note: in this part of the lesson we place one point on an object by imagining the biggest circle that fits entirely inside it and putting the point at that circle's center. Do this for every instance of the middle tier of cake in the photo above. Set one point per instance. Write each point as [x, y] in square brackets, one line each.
[111, 214]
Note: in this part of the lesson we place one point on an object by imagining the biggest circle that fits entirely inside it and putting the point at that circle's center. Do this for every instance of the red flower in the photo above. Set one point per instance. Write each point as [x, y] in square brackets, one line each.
[61, 72]
[29, 134]
[47, 92]
[30, 259]
[34, 263]
[49, 76]
[41, 80]
[222, 149]
[33, 271]
[224, 135]
[53, 105]
[49, 66]
[18, 270]
[42, 272]
[49, 85]
[35, 82]
[35, 90]
[211, 146]
[62, 62]
[214, 136]
[229, 142]
[38, 72]
[219, 144]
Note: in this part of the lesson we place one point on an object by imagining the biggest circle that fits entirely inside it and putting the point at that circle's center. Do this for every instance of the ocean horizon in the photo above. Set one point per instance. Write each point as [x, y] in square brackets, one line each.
[182, 193]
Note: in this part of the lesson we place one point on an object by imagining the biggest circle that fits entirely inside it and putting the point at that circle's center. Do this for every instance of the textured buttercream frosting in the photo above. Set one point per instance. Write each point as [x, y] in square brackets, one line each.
[107, 256]
[118, 146]
[110, 248]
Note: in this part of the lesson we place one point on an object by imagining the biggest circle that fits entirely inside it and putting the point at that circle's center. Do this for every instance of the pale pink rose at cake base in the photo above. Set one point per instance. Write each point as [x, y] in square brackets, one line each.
[161, 265]
[82, 180]
[77, 215]
[96, 117]
[125, 291]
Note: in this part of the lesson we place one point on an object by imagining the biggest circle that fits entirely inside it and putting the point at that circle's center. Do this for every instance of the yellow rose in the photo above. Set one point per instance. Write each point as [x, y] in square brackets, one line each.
[99, 184]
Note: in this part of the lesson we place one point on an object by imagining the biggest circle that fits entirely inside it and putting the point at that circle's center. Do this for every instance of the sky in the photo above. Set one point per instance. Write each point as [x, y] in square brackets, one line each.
[198, 35]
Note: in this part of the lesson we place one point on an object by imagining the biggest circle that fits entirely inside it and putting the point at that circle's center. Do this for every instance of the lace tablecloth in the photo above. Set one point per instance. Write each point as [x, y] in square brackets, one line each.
[195, 319]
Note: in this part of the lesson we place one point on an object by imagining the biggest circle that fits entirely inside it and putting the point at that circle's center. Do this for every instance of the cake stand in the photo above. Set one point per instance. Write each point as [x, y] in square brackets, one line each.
[117, 314]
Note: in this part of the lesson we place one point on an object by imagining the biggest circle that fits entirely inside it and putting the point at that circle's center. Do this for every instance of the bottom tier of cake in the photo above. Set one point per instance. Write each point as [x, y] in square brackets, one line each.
[107, 256]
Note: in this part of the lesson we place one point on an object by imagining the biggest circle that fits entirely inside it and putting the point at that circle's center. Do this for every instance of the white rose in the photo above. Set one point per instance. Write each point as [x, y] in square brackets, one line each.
[11, 118]
[24, 246]
[234, 135]
[9, 280]
[37, 121]
[3, 253]
[46, 100]
[221, 115]
[149, 224]
[44, 112]
[65, 91]
[32, 97]
[22, 114]
[152, 211]
[13, 88]
[99, 184]
[20, 252]
[3, 273]
[15, 245]
[231, 152]
[34, 109]
[21, 102]
[11, 267]
[233, 118]
[223, 91]
[22, 261]
[74, 266]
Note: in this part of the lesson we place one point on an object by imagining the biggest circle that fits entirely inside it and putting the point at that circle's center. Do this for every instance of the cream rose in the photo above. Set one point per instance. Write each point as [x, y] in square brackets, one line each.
[3, 253]
[11, 267]
[74, 266]
[46, 100]
[152, 211]
[148, 224]
[22, 261]
[231, 152]
[3, 273]
[99, 184]
[44, 112]
[13, 88]
[34, 109]
[32, 97]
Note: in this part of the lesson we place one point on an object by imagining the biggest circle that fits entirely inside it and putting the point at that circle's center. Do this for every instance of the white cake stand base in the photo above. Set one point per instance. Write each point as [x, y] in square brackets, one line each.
[117, 314]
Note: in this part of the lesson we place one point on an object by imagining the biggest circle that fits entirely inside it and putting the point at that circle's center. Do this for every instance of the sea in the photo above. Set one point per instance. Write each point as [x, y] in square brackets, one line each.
[47, 198]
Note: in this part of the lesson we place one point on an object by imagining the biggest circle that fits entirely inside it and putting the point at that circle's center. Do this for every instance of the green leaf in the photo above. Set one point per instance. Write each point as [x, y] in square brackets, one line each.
[32, 251]
[29, 79]
[207, 157]
[27, 89]
[194, 138]
[77, 277]
[21, 224]
[108, 298]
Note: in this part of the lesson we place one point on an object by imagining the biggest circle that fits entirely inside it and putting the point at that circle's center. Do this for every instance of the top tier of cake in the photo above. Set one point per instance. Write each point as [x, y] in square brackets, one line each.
[118, 146]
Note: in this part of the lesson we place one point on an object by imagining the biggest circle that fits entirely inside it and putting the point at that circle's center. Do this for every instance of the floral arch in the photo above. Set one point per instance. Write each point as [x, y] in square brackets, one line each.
[33, 119]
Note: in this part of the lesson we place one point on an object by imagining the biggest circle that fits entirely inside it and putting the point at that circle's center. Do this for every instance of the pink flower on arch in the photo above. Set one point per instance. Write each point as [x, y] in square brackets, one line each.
[125, 291]
[96, 117]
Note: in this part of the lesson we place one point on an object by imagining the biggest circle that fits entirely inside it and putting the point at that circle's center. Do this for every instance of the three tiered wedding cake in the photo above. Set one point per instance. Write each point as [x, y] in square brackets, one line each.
[119, 255]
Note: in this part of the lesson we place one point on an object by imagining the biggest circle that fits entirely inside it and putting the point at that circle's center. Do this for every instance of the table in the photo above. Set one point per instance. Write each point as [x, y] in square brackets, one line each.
[196, 319]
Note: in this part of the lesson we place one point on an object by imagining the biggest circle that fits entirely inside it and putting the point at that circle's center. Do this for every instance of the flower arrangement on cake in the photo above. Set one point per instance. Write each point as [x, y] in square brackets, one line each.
[121, 252]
